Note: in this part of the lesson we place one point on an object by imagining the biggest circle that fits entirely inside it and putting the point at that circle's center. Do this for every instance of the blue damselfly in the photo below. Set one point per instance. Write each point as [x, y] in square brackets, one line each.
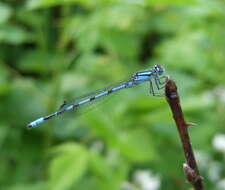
[154, 76]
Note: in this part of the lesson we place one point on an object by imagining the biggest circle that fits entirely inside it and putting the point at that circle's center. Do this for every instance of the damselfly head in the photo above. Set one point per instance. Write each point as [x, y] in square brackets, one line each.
[158, 69]
[144, 75]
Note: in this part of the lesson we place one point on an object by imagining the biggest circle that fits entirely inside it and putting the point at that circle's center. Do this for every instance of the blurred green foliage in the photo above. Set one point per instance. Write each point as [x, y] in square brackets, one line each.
[51, 50]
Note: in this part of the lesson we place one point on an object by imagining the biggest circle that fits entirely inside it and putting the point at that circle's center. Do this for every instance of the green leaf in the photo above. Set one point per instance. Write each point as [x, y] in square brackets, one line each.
[109, 173]
[34, 4]
[169, 2]
[4, 130]
[121, 43]
[136, 145]
[68, 166]
[41, 62]
[5, 12]
[102, 126]
[35, 186]
[4, 79]
[14, 34]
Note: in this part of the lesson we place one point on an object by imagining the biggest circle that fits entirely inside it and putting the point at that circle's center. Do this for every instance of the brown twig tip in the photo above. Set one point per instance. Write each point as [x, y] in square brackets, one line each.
[171, 88]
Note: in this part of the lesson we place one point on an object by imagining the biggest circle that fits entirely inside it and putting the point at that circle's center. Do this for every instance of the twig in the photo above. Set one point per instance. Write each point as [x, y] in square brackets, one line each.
[190, 168]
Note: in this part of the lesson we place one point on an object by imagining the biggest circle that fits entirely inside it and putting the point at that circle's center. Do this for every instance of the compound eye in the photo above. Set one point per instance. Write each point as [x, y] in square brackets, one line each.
[156, 67]
[159, 69]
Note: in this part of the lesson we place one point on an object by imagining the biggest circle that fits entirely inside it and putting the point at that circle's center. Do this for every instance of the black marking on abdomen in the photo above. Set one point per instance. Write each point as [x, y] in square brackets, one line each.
[110, 91]
[49, 116]
[92, 98]
[61, 111]
[75, 106]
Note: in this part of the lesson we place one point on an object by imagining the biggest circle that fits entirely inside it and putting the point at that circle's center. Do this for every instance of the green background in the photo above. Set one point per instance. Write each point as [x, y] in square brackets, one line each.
[51, 50]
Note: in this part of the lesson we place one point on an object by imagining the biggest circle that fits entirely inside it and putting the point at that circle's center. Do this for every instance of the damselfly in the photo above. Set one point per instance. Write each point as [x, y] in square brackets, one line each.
[154, 76]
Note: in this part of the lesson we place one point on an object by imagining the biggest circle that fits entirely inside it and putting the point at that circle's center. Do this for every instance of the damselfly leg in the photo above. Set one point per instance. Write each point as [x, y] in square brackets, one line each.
[157, 85]
[63, 104]
[160, 81]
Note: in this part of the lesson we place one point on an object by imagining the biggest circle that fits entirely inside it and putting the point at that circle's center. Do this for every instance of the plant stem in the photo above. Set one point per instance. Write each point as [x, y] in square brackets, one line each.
[190, 168]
